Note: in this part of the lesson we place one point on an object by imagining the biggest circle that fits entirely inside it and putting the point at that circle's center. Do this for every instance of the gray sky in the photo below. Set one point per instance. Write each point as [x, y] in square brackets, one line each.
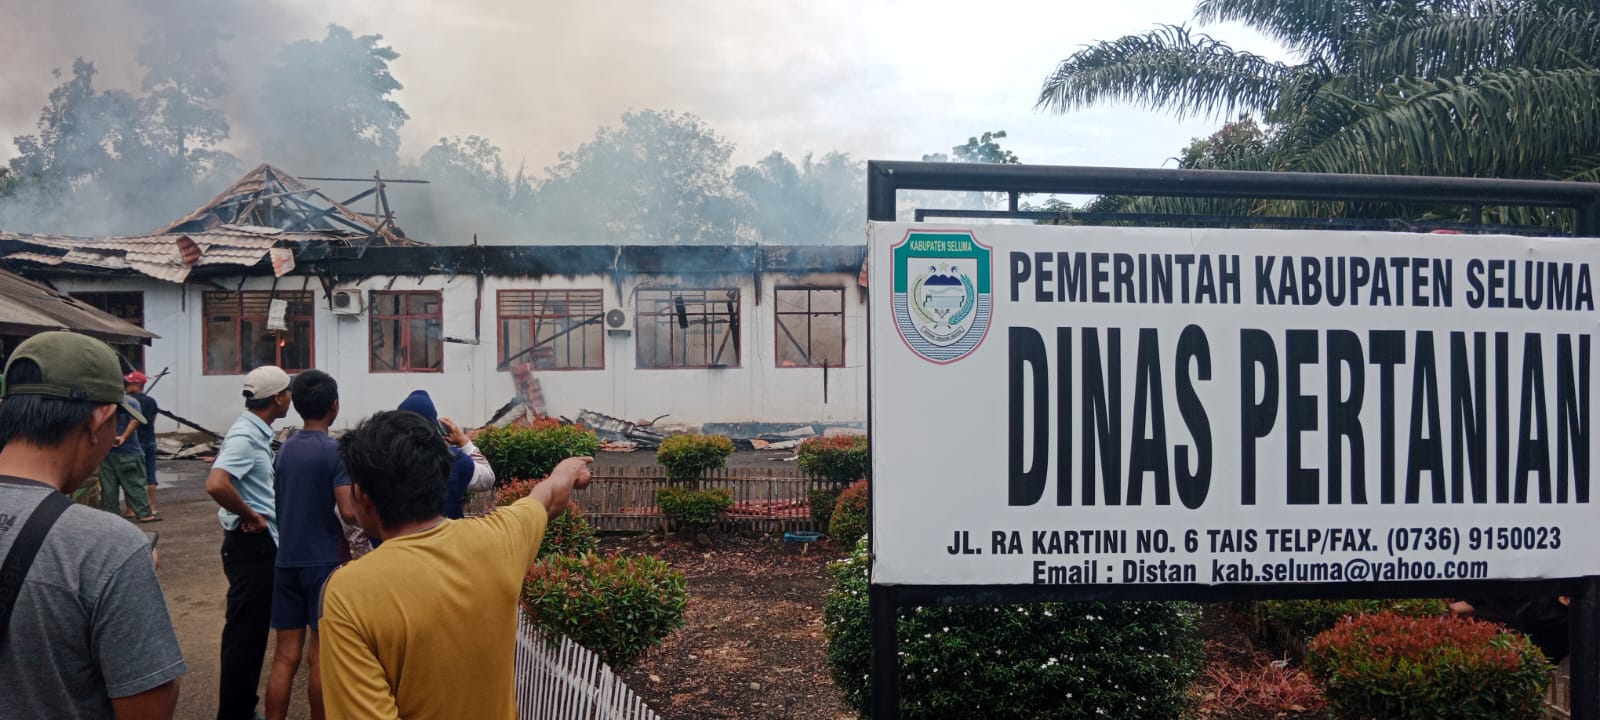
[888, 79]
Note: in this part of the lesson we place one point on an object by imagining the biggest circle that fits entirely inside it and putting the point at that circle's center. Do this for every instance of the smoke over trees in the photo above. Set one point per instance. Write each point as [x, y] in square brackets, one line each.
[327, 106]
[111, 161]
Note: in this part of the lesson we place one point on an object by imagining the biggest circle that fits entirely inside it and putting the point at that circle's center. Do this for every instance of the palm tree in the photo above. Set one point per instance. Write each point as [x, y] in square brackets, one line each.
[1480, 88]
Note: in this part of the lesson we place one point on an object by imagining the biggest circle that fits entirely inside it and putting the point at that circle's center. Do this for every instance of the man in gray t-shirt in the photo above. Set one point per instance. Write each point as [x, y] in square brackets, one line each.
[89, 634]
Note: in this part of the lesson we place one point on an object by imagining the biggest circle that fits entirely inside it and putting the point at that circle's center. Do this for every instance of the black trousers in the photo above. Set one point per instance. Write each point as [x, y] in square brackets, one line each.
[247, 559]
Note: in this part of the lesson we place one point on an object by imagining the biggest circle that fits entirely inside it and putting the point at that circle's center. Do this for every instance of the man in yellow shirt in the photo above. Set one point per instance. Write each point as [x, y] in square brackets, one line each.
[425, 625]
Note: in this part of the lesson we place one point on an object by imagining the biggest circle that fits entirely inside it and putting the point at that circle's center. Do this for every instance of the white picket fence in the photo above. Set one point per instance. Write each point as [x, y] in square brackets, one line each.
[568, 682]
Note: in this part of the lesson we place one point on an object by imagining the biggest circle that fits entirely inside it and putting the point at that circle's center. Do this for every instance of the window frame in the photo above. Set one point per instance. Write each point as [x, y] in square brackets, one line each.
[307, 297]
[780, 333]
[101, 300]
[735, 320]
[405, 317]
[539, 298]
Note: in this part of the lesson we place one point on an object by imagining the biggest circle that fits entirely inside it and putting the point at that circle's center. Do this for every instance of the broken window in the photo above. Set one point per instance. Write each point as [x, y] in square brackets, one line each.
[406, 331]
[553, 329]
[688, 328]
[240, 334]
[810, 327]
[128, 306]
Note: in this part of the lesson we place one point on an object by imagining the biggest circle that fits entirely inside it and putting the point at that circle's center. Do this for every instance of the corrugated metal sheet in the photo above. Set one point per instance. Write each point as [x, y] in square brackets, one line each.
[30, 308]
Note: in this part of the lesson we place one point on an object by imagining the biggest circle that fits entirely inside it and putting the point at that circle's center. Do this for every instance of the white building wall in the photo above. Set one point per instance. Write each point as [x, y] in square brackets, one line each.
[470, 389]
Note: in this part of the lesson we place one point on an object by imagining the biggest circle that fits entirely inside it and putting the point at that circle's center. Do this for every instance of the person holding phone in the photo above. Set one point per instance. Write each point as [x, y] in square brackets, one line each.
[469, 470]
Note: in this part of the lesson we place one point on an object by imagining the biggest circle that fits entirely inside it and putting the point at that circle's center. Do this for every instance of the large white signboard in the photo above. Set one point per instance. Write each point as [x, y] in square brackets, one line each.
[1059, 405]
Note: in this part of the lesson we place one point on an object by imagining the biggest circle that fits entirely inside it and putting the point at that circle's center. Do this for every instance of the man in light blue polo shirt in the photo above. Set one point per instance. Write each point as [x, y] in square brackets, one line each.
[241, 481]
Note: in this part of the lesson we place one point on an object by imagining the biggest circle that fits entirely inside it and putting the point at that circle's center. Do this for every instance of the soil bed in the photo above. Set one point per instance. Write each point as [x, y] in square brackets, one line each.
[751, 645]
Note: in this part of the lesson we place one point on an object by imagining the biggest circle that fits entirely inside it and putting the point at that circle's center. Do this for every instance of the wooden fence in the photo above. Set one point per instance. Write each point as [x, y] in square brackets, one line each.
[567, 682]
[765, 499]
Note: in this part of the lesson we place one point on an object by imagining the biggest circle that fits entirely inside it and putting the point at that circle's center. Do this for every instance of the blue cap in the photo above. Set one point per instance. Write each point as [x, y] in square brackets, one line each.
[419, 403]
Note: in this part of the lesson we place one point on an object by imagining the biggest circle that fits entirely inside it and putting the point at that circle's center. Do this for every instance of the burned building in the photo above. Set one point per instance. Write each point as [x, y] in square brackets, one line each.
[275, 271]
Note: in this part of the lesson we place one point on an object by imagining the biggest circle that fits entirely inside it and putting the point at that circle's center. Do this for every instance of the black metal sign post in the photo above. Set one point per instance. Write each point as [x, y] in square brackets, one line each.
[886, 179]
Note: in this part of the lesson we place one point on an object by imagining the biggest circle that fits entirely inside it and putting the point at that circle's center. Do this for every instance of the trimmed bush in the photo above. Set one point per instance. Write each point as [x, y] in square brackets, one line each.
[1046, 660]
[689, 457]
[566, 534]
[821, 502]
[1295, 622]
[693, 509]
[617, 606]
[842, 459]
[850, 519]
[1404, 668]
[518, 452]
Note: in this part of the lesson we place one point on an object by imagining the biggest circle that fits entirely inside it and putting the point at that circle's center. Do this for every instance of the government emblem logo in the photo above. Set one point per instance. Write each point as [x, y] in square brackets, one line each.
[941, 299]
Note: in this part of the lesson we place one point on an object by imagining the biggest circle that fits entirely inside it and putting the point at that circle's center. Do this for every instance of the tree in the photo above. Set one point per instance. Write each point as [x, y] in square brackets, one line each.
[184, 77]
[327, 106]
[980, 149]
[660, 177]
[816, 201]
[471, 166]
[89, 167]
[1421, 87]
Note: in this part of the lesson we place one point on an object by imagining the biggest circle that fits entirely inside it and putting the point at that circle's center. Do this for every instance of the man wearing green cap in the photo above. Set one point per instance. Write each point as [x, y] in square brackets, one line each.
[84, 629]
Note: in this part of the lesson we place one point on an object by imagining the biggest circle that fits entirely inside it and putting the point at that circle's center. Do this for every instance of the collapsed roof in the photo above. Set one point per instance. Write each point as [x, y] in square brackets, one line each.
[267, 214]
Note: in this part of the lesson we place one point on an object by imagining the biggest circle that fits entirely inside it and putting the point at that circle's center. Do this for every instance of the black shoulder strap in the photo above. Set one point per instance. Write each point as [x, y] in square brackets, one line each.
[23, 550]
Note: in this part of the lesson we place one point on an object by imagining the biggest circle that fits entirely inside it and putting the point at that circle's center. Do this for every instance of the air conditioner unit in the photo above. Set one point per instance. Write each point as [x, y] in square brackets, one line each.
[619, 321]
[348, 302]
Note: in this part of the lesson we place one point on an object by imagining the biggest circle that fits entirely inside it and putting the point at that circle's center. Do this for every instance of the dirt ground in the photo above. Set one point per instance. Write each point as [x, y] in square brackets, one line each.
[751, 645]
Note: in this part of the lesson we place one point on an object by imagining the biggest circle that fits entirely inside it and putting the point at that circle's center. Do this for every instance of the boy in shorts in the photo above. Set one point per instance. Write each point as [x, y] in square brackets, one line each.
[313, 492]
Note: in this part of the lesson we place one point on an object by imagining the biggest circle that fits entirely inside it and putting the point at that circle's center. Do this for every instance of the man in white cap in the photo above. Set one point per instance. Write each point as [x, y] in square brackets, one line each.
[241, 482]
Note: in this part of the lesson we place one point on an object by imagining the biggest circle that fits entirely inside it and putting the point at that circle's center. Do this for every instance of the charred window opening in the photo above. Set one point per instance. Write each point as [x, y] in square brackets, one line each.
[239, 336]
[810, 327]
[406, 330]
[688, 328]
[552, 329]
[127, 306]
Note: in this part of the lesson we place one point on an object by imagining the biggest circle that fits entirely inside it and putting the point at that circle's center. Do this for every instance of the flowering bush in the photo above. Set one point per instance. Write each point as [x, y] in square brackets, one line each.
[617, 606]
[693, 509]
[850, 515]
[839, 460]
[842, 459]
[1390, 666]
[1050, 660]
[566, 534]
[688, 457]
[524, 452]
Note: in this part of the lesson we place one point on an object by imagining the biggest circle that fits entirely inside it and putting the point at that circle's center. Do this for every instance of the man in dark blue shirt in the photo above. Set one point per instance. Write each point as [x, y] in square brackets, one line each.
[313, 493]
[135, 382]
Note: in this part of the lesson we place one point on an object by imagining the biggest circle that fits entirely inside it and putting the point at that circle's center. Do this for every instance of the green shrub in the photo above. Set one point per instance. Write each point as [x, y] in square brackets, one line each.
[1404, 668]
[529, 453]
[693, 509]
[1295, 622]
[821, 502]
[841, 459]
[851, 519]
[1046, 660]
[617, 606]
[689, 457]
